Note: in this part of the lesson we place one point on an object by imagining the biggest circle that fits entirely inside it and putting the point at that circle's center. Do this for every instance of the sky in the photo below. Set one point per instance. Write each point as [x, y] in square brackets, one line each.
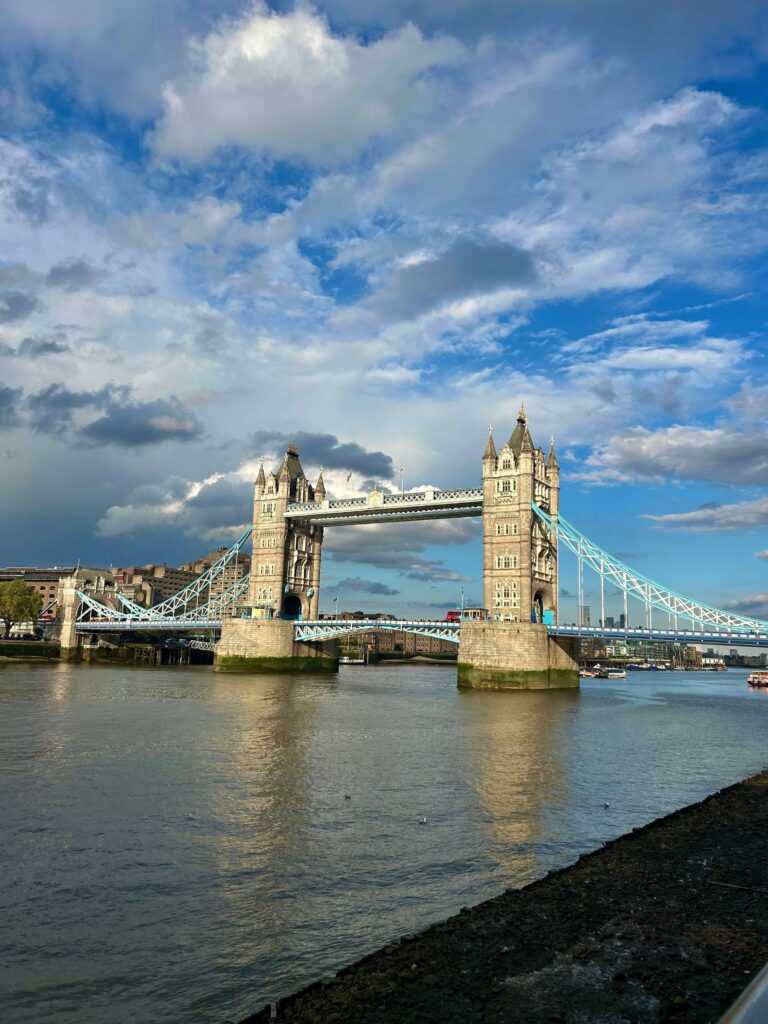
[374, 228]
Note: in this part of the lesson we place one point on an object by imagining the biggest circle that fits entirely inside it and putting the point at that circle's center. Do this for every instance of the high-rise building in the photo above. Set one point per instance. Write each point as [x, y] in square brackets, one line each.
[584, 615]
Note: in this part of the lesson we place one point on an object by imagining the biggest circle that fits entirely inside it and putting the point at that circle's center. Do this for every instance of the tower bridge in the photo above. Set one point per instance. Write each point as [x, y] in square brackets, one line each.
[269, 620]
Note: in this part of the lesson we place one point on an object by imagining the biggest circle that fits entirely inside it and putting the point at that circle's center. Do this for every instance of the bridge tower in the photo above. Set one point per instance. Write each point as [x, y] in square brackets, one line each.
[512, 648]
[284, 584]
[285, 569]
[519, 554]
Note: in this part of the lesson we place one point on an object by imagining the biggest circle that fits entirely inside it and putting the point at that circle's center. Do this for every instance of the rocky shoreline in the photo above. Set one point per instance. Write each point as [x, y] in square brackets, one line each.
[667, 923]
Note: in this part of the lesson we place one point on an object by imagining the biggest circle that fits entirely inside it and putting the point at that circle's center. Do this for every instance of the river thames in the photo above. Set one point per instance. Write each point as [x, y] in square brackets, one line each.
[183, 846]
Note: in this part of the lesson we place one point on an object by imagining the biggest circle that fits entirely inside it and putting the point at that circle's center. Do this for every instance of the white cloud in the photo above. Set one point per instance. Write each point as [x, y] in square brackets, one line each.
[750, 604]
[742, 515]
[284, 84]
[681, 452]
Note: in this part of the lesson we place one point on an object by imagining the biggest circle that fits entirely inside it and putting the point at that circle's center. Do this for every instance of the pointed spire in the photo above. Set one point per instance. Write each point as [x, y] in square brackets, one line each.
[320, 487]
[490, 448]
[552, 458]
[521, 438]
[261, 479]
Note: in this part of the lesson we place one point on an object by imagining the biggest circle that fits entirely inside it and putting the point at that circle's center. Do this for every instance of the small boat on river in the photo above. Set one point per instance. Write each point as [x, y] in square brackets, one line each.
[611, 673]
[758, 680]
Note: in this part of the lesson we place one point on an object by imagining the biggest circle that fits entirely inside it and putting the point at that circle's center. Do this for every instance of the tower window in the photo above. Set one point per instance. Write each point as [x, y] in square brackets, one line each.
[506, 464]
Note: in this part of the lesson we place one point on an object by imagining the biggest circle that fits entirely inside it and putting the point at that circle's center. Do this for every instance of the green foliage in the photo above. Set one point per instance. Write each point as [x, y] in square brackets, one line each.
[18, 603]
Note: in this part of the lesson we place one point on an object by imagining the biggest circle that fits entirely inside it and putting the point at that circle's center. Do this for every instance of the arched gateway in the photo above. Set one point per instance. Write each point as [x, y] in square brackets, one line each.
[508, 648]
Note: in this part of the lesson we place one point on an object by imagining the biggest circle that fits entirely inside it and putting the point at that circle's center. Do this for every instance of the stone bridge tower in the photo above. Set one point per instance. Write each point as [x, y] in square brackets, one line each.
[519, 553]
[285, 569]
[284, 584]
[512, 649]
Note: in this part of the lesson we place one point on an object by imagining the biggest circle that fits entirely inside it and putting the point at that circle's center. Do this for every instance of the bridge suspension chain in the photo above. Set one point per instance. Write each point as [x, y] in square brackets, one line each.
[634, 584]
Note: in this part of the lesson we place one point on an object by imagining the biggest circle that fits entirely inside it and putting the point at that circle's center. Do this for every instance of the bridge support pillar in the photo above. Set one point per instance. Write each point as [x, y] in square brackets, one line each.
[268, 645]
[515, 656]
[69, 604]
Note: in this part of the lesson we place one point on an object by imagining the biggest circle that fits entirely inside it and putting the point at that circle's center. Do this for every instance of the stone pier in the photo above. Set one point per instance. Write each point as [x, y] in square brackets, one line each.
[267, 645]
[515, 656]
[70, 643]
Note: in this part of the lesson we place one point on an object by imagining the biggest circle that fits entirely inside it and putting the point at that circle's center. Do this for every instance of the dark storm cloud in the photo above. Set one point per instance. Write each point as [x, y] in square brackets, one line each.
[326, 450]
[469, 266]
[138, 424]
[9, 405]
[16, 306]
[221, 504]
[35, 348]
[72, 275]
[50, 410]
[124, 423]
[361, 586]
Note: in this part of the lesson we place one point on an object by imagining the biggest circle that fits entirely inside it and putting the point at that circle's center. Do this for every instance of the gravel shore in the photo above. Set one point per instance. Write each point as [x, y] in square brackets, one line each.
[667, 923]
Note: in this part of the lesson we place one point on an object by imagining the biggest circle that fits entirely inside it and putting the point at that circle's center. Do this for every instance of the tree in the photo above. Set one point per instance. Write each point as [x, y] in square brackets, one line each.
[18, 603]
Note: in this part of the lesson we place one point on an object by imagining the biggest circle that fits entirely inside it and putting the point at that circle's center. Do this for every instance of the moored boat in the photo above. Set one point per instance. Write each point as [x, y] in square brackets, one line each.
[611, 673]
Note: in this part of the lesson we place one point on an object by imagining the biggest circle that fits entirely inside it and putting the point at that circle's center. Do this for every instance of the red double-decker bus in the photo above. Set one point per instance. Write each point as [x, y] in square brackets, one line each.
[453, 615]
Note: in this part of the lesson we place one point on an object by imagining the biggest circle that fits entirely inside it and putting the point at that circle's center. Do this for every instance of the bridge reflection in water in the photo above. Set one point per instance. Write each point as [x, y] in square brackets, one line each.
[515, 758]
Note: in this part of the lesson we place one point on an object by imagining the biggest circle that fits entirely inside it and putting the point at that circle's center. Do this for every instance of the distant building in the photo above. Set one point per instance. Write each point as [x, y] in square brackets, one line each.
[391, 641]
[711, 660]
[622, 621]
[584, 615]
[235, 570]
[150, 584]
[45, 582]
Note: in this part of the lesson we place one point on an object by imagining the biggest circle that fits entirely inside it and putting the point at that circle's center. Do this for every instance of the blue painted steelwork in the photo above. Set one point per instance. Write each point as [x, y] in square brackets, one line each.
[634, 584]
[147, 625]
[718, 637]
[111, 618]
[325, 629]
[180, 601]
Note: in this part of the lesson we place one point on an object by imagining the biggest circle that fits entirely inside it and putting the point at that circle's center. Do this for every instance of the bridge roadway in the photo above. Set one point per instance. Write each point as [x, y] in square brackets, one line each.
[378, 507]
[320, 629]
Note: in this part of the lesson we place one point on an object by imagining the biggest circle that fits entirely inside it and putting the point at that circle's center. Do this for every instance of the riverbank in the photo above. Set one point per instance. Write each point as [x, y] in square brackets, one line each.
[666, 924]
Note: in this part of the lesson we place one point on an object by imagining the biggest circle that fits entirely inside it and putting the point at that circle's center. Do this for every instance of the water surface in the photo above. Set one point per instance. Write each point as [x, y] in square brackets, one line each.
[179, 846]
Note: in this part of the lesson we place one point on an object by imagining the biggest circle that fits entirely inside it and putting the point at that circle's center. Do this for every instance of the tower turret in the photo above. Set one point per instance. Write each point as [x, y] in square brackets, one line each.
[553, 479]
[490, 457]
[320, 487]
